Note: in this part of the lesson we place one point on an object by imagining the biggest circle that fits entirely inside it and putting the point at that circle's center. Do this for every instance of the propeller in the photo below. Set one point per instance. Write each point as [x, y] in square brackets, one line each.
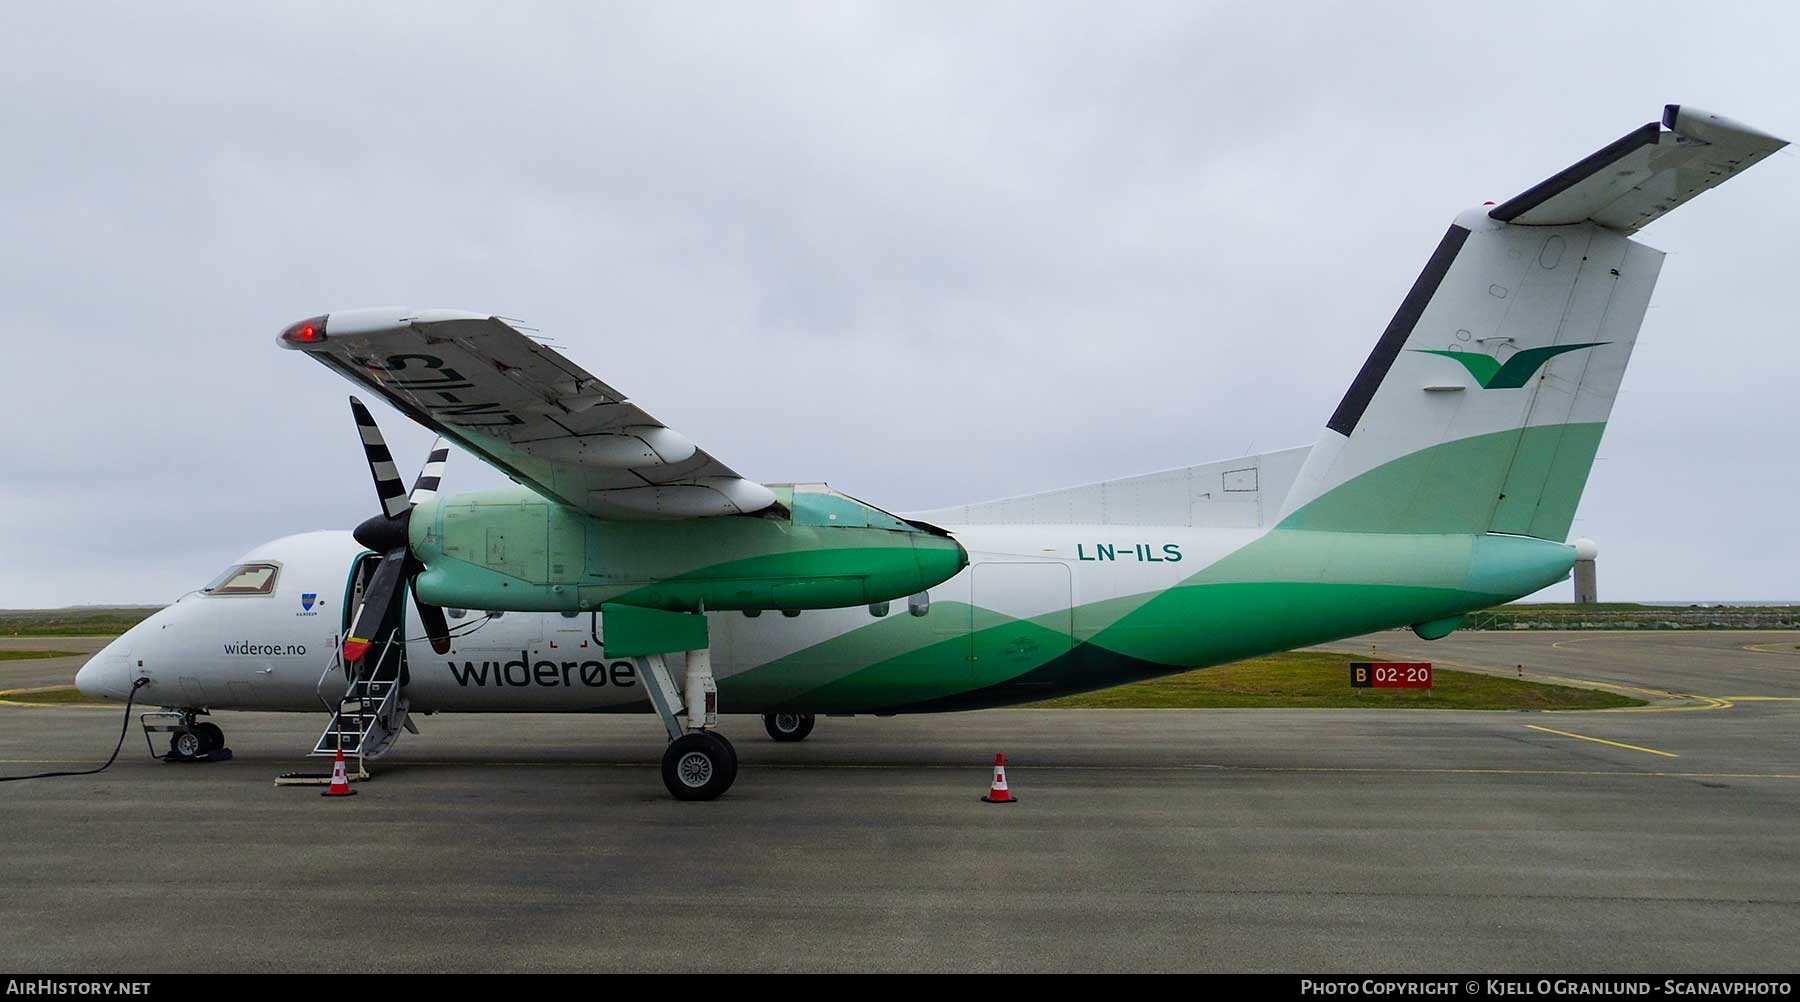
[386, 534]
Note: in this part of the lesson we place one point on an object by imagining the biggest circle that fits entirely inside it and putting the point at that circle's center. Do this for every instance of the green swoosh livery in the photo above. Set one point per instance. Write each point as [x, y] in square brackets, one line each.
[1518, 369]
[1412, 508]
[651, 575]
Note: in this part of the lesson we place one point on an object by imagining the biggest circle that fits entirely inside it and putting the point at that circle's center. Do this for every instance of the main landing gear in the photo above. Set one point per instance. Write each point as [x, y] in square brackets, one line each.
[788, 726]
[699, 764]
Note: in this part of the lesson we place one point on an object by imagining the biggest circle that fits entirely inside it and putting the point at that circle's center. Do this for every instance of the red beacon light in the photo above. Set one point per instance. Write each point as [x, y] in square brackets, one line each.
[307, 332]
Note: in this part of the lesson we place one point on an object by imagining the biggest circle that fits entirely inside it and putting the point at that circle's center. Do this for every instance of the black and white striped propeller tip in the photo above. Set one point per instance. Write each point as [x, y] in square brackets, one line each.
[388, 485]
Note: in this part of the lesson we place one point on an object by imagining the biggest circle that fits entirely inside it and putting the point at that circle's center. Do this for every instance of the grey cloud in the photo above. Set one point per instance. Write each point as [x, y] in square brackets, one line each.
[929, 252]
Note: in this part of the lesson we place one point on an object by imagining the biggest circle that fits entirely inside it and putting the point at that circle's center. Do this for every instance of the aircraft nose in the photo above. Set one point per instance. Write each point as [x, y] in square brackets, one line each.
[107, 674]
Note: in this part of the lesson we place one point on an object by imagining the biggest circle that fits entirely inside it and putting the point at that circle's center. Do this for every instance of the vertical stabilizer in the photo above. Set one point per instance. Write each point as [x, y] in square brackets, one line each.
[1482, 405]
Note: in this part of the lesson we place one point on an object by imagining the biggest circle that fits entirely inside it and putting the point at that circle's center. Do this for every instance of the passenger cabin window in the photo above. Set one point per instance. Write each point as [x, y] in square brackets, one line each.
[245, 579]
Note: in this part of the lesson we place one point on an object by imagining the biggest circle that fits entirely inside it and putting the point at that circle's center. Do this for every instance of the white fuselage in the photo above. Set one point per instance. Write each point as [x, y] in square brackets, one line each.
[274, 651]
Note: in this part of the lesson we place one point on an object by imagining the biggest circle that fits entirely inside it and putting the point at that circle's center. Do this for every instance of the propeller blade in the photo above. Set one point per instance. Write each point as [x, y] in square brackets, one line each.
[431, 474]
[437, 628]
[388, 532]
[382, 593]
[381, 463]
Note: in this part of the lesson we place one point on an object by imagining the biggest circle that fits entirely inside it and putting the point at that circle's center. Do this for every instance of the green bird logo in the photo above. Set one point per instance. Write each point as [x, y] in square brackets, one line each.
[1518, 369]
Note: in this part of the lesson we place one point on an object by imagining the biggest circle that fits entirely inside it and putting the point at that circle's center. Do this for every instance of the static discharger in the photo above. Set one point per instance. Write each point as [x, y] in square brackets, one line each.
[998, 793]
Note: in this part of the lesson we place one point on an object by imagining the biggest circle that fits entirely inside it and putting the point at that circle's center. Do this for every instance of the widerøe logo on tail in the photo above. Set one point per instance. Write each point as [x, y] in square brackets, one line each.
[1518, 369]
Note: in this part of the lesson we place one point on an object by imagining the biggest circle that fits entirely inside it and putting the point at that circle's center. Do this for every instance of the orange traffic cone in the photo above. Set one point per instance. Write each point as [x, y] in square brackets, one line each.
[998, 793]
[340, 783]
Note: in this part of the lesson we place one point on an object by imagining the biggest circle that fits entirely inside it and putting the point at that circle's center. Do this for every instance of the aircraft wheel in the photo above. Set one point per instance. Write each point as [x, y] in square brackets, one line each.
[187, 744]
[788, 726]
[211, 737]
[697, 766]
[730, 753]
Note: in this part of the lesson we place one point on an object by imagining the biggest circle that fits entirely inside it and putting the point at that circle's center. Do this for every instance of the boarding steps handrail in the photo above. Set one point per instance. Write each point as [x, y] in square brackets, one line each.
[372, 710]
[335, 662]
[368, 701]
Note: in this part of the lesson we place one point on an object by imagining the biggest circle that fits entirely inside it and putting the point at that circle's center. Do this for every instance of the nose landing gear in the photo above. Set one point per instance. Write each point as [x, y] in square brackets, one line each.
[197, 742]
[188, 741]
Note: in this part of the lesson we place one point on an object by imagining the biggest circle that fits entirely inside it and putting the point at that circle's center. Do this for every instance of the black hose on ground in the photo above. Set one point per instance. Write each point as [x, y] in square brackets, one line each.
[123, 728]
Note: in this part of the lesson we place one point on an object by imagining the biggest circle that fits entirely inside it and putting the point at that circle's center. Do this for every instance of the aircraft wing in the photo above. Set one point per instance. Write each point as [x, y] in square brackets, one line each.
[1635, 179]
[541, 419]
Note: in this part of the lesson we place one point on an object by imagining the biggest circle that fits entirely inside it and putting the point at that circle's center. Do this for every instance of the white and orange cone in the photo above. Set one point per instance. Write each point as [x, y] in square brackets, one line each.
[340, 783]
[998, 793]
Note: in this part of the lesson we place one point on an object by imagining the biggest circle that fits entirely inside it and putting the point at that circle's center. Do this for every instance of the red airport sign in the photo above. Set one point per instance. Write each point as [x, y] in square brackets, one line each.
[1390, 675]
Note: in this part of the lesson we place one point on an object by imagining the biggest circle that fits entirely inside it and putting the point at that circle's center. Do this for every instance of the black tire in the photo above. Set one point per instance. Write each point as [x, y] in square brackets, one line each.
[730, 755]
[211, 737]
[696, 766]
[187, 744]
[789, 726]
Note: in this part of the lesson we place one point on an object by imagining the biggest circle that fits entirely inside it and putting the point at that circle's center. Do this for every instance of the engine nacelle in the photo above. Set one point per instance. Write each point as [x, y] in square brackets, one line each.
[513, 550]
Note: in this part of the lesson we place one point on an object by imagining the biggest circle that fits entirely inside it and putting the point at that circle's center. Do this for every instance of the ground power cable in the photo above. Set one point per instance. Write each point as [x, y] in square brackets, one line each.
[124, 728]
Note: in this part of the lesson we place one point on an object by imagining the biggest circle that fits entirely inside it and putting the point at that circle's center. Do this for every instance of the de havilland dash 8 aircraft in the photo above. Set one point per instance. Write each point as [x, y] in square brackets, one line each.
[630, 570]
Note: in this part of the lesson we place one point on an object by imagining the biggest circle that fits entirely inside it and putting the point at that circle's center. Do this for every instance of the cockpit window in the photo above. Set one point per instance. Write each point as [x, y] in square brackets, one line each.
[245, 579]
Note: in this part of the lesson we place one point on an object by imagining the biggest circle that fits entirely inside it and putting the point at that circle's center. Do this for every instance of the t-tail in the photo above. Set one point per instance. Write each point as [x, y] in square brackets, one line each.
[1481, 407]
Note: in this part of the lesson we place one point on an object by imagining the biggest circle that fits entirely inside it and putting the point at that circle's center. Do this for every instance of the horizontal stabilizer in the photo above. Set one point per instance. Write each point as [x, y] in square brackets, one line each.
[1633, 180]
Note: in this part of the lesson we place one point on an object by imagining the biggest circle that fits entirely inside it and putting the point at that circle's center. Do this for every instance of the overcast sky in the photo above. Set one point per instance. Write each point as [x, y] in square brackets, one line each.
[927, 252]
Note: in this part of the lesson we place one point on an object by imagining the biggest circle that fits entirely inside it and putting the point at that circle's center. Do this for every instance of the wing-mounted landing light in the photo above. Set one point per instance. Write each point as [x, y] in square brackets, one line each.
[386, 534]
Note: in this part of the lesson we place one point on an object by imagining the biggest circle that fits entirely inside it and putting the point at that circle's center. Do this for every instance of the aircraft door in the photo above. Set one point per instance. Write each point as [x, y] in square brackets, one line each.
[1021, 618]
[361, 573]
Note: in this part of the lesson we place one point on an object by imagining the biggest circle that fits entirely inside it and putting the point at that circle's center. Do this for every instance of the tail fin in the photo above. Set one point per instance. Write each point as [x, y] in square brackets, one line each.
[1482, 405]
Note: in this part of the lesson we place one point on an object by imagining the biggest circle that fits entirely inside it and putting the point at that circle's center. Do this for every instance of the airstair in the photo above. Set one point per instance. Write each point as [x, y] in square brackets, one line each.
[369, 716]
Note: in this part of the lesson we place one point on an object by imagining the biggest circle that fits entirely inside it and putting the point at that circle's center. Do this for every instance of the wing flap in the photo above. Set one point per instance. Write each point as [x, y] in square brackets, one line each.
[528, 411]
[1634, 180]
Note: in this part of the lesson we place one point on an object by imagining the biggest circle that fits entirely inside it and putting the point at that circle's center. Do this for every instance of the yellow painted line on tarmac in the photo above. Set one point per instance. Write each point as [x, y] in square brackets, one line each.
[1764, 699]
[22, 697]
[55, 706]
[1791, 650]
[1712, 702]
[1705, 702]
[1500, 671]
[1602, 741]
